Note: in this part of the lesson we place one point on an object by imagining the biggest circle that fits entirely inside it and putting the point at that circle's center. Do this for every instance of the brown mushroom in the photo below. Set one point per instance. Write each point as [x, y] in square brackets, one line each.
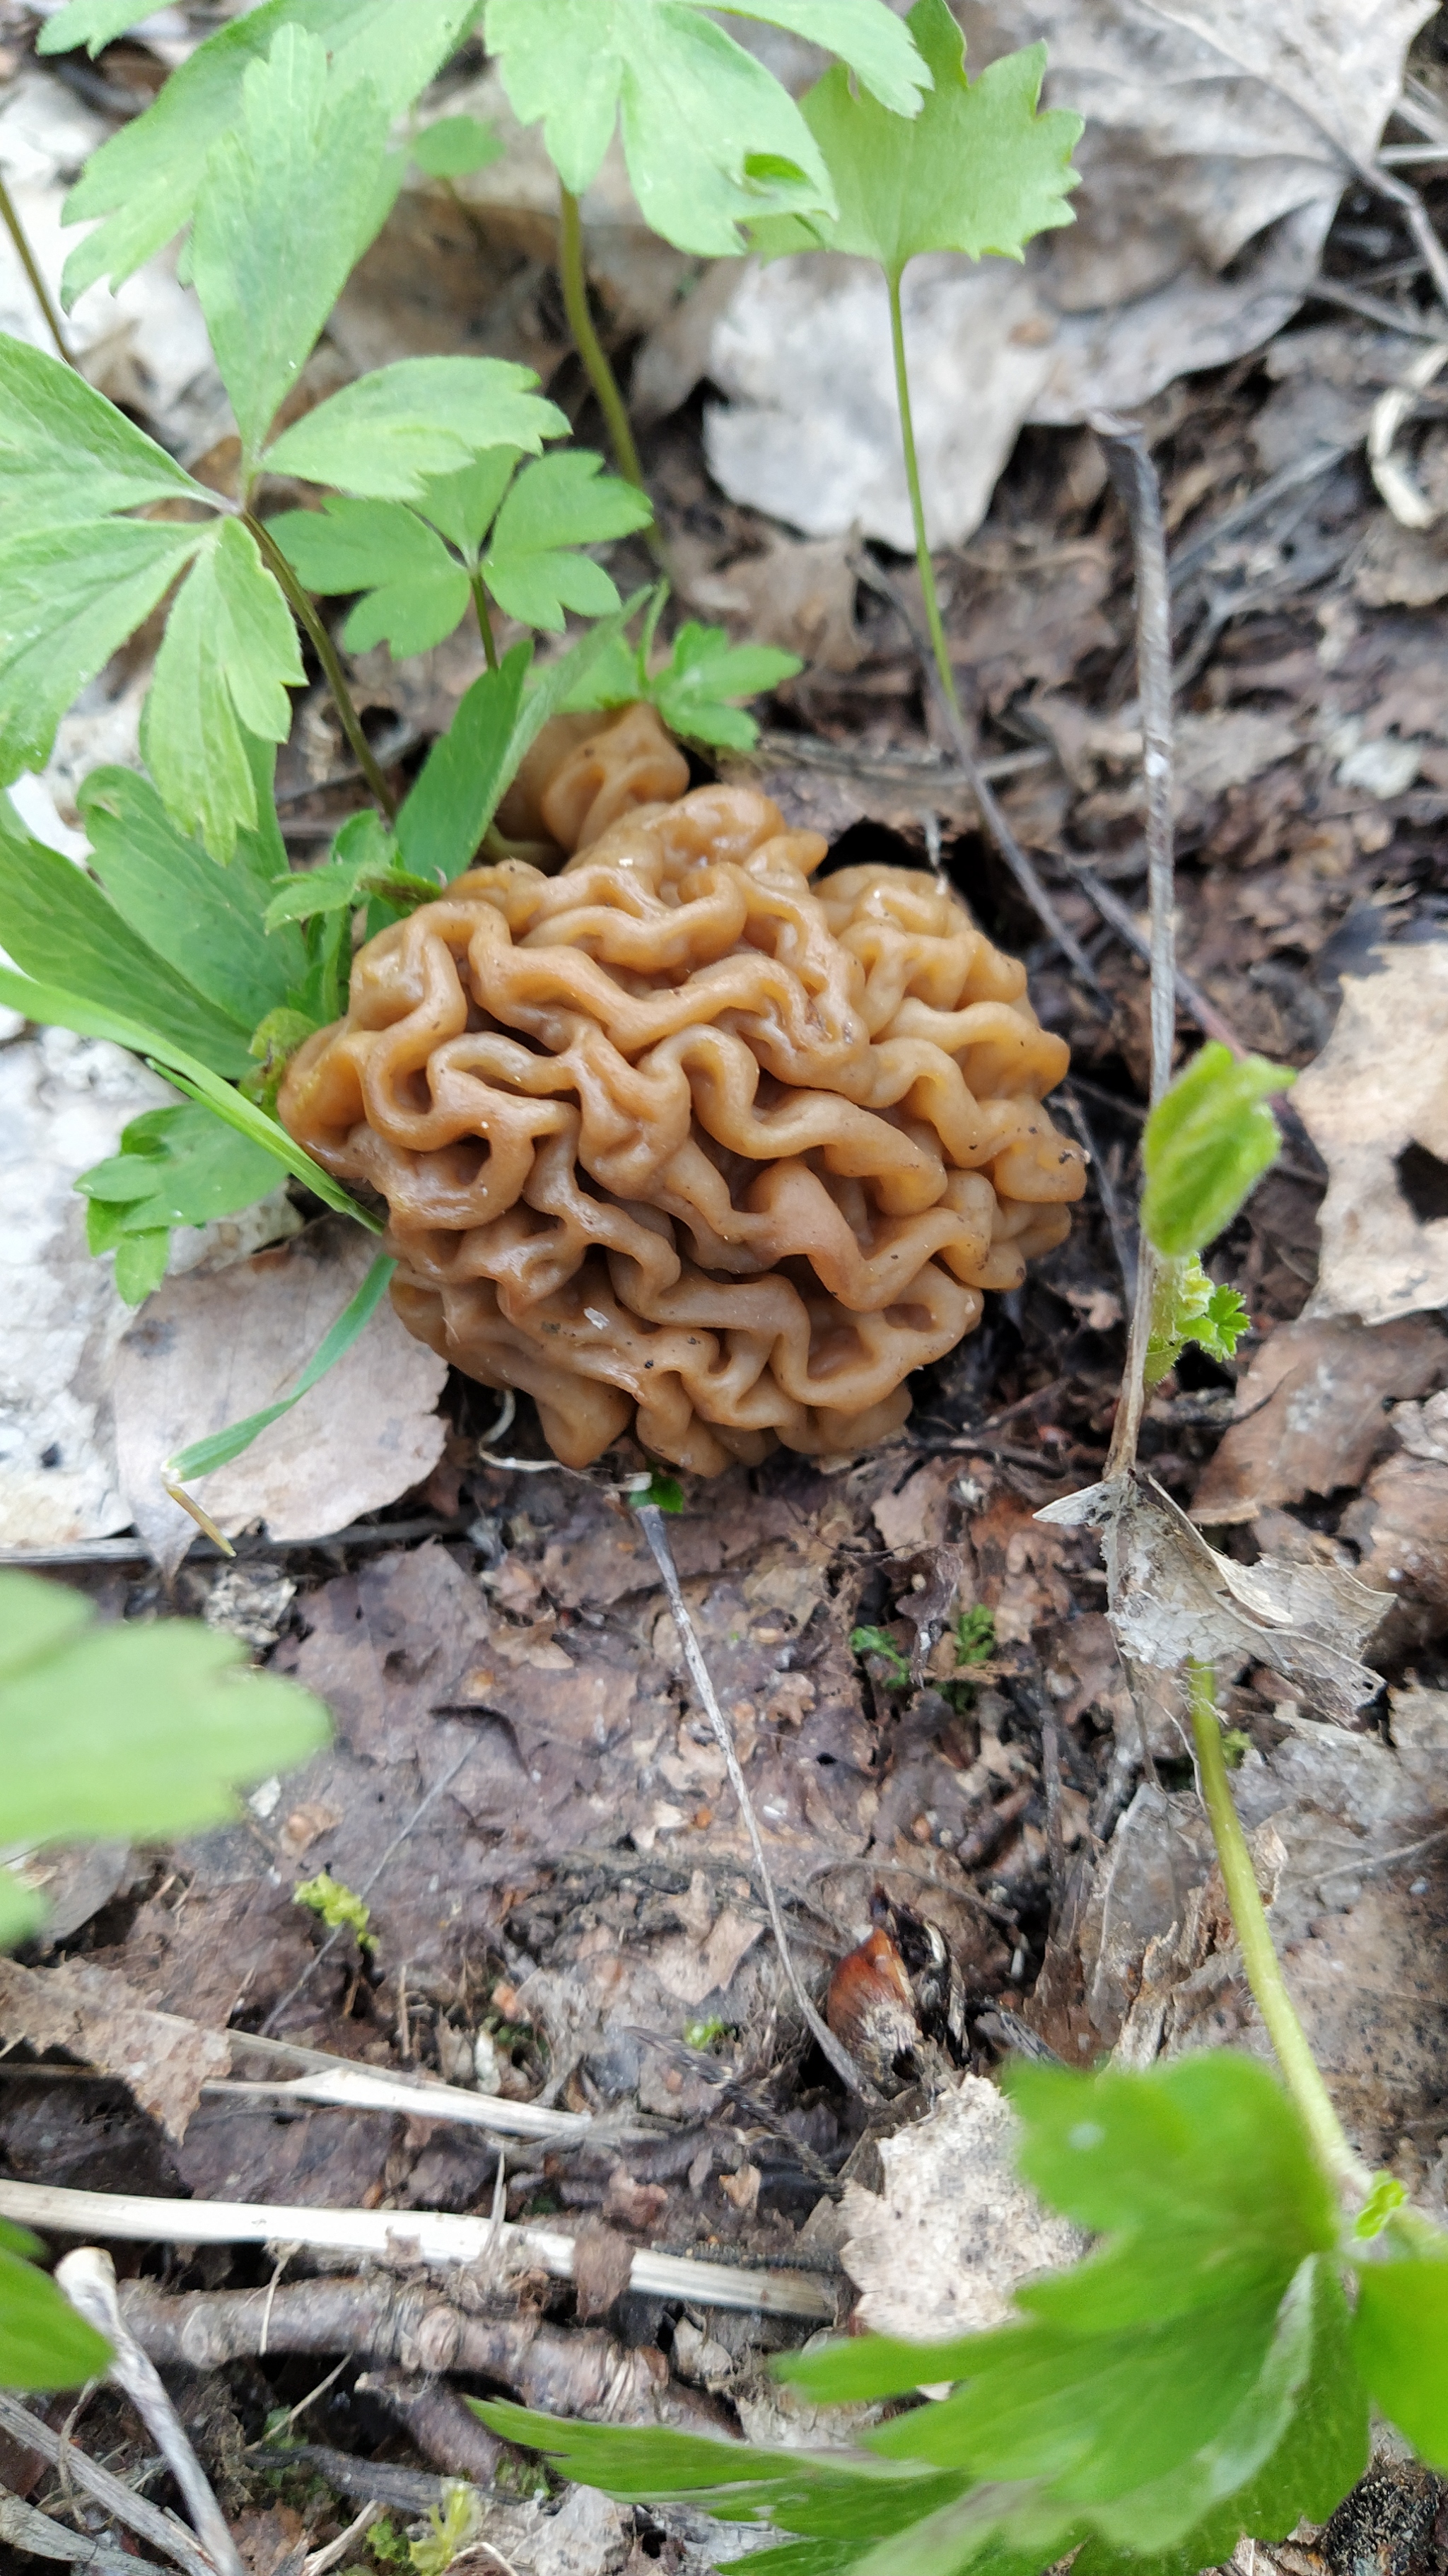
[676, 1139]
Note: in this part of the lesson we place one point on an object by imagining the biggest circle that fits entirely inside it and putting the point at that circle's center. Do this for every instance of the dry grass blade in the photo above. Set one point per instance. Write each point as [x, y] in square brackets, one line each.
[161, 2530]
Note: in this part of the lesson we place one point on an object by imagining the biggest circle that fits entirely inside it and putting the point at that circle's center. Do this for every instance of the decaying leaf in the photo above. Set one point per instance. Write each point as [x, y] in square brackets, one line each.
[100, 2021]
[940, 2251]
[1174, 1600]
[1239, 128]
[1310, 1412]
[1375, 1104]
[205, 1351]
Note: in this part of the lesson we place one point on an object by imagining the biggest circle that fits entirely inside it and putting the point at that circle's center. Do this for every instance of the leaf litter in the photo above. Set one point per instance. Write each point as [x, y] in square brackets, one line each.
[522, 1785]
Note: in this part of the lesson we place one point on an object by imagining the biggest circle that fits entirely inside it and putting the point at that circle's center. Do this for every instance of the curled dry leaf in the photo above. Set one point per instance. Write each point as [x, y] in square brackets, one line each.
[1238, 124]
[101, 2021]
[1375, 1103]
[1175, 1600]
[940, 2251]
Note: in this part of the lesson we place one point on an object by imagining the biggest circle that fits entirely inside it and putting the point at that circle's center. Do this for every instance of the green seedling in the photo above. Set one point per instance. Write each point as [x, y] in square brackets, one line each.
[1206, 1145]
[875, 1641]
[705, 2034]
[974, 1635]
[338, 1906]
[113, 1733]
[665, 1492]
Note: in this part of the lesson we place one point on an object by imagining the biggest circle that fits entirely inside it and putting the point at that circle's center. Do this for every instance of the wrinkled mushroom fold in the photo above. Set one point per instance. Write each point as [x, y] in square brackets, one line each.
[675, 1140]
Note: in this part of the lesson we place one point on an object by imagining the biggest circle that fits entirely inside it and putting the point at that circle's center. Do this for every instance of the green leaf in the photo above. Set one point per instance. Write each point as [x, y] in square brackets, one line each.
[146, 179]
[364, 860]
[667, 1495]
[416, 593]
[92, 23]
[1206, 1145]
[66, 454]
[290, 202]
[454, 145]
[710, 137]
[385, 436]
[140, 1264]
[179, 1166]
[69, 597]
[1187, 1306]
[331, 1899]
[561, 502]
[54, 1007]
[463, 505]
[138, 1730]
[1400, 2343]
[704, 672]
[875, 1641]
[465, 773]
[57, 924]
[227, 659]
[206, 1455]
[746, 2483]
[43, 2343]
[977, 171]
[204, 921]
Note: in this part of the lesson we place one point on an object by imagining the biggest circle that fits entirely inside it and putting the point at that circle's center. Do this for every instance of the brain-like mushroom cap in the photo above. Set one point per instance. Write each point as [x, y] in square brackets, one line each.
[677, 1137]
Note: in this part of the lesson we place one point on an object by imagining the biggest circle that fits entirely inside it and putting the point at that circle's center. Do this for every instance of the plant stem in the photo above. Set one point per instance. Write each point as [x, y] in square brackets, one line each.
[485, 623]
[1337, 2158]
[326, 652]
[917, 502]
[31, 266]
[607, 390]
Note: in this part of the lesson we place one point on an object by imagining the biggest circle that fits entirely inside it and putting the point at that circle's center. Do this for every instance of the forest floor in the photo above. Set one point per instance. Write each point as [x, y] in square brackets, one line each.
[523, 1788]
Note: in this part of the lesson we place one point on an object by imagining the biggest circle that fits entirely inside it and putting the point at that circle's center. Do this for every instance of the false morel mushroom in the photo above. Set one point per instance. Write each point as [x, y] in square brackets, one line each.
[677, 1140]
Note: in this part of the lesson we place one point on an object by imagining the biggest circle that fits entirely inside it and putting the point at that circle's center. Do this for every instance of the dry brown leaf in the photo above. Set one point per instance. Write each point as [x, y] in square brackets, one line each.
[940, 2251]
[205, 1352]
[1310, 1412]
[1375, 1103]
[1400, 1524]
[98, 2019]
[1174, 1600]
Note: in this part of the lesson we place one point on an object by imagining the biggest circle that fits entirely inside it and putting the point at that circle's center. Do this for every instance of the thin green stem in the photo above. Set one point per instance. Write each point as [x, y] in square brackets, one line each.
[31, 266]
[917, 501]
[485, 623]
[574, 279]
[326, 653]
[1344, 2168]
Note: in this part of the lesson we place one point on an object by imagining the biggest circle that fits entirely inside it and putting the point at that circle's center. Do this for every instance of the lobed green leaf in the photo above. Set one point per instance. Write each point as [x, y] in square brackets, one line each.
[66, 454]
[43, 2343]
[560, 503]
[415, 593]
[385, 436]
[207, 923]
[979, 170]
[290, 201]
[145, 181]
[452, 146]
[180, 1166]
[227, 659]
[1206, 1145]
[462, 506]
[69, 598]
[1400, 2344]
[704, 672]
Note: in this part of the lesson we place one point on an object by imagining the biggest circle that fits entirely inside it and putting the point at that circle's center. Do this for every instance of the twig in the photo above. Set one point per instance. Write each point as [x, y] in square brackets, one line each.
[134, 1551]
[1289, 478]
[121, 2502]
[1134, 477]
[326, 652]
[88, 2278]
[369, 2090]
[322, 2561]
[1021, 868]
[921, 773]
[404, 2235]
[9, 216]
[1383, 1860]
[1122, 1243]
[24, 2527]
[398, 1839]
[651, 1521]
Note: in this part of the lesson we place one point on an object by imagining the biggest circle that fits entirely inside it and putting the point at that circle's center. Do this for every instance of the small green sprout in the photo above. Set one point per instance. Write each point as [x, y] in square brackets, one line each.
[1235, 1747]
[1207, 1143]
[387, 2544]
[1187, 1306]
[703, 2034]
[873, 1641]
[453, 2527]
[664, 1492]
[338, 1906]
[975, 1636]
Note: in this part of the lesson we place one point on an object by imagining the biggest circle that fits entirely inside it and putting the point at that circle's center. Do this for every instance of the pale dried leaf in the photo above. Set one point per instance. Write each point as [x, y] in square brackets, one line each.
[1311, 1414]
[1378, 1089]
[942, 2249]
[99, 2020]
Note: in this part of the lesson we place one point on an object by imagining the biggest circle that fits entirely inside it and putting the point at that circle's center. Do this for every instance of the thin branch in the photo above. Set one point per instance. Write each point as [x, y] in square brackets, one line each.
[327, 654]
[999, 830]
[322, 2561]
[88, 2278]
[651, 1521]
[9, 216]
[121, 2502]
[1191, 997]
[400, 2235]
[24, 2527]
[1122, 1242]
[1134, 477]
